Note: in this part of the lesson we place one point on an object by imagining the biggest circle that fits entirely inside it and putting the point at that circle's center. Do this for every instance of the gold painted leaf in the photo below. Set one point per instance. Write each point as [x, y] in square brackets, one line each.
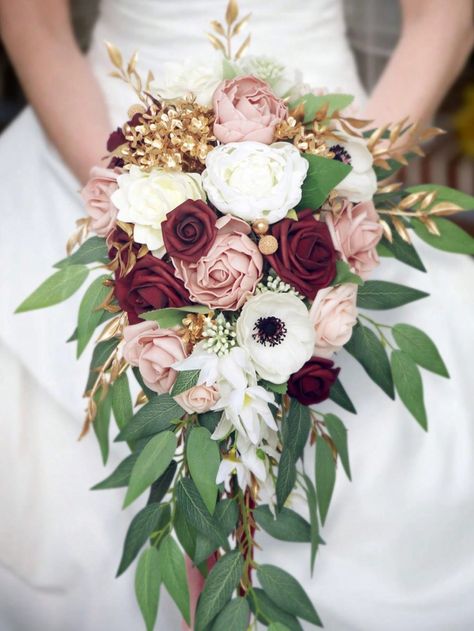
[387, 232]
[218, 45]
[244, 47]
[431, 226]
[410, 200]
[132, 62]
[115, 55]
[217, 26]
[444, 208]
[240, 24]
[401, 229]
[232, 12]
[428, 200]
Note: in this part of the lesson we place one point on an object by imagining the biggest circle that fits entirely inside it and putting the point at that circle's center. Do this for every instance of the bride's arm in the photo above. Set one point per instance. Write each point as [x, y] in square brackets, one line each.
[436, 38]
[56, 78]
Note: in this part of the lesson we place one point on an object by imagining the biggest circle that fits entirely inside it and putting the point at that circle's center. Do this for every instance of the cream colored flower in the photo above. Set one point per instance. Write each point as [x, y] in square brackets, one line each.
[144, 198]
[361, 183]
[197, 78]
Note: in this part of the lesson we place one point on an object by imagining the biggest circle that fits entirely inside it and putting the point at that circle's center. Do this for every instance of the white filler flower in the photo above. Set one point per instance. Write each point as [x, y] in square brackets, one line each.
[277, 333]
[198, 78]
[361, 183]
[144, 199]
[252, 180]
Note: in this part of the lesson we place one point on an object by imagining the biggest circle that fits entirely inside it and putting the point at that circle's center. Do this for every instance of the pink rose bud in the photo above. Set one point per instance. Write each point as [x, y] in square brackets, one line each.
[333, 314]
[96, 195]
[246, 109]
[198, 399]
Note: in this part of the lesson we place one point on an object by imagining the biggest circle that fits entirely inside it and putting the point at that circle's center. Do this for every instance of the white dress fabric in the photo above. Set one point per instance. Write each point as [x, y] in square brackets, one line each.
[400, 541]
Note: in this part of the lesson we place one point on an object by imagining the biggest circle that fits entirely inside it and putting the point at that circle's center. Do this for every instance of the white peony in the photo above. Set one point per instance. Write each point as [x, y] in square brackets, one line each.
[252, 180]
[277, 333]
[361, 183]
[144, 199]
[198, 78]
[269, 70]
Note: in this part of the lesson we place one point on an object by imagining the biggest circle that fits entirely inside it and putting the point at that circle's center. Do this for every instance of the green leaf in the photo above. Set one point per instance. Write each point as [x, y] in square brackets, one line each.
[185, 532]
[344, 275]
[203, 457]
[452, 238]
[286, 477]
[58, 287]
[234, 617]
[286, 525]
[147, 586]
[101, 353]
[417, 345]
[90, 313]
[323, 175]
[209, 420]
[338, 434]
[151, 463]
[94, 250]
[226, 516]
[285, 590]
[366, 347]
[340, 396]
[409, 386]
[120, 476]
[122, 404]
[160, 487]
[313, 103]
[185, 380]
[295, 428]
[141, 527]
[104, 317]
[403, 251]
[194, 510]
[313, 516]
[170, 317]
[154, 417]
[381, 294]
[445, 194]
[325, 476]
[383, 249]
[279, 388]
[137, 374]
[228, 69]
[220, 584]
[277, 626]
[101, 423]
[267, 611]
[173, 574]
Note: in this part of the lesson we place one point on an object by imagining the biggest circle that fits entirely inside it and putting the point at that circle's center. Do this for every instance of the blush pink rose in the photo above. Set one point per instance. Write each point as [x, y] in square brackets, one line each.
[198, 399]
[333, 314]
[227, 275]
[96, 195]
[356, 232]
[154, 351]
[246, 109]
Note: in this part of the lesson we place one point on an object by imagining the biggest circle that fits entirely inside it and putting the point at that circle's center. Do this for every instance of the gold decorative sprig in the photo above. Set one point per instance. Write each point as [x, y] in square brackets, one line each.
[222, 37]
[128, 73]
[315, 139]
[79, 235]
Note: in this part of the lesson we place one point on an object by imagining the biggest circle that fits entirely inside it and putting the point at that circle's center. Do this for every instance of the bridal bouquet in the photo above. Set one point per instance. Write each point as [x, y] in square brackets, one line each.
[236, 228]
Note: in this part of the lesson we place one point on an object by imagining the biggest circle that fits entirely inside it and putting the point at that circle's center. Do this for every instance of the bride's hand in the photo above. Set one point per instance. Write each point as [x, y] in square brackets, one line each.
[56, 79]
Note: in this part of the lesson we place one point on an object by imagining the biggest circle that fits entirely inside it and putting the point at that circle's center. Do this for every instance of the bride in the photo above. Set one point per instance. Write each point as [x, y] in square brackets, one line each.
[400, 540]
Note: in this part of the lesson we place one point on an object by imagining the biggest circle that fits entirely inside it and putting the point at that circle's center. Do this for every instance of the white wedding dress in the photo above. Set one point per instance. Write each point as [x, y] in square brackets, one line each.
[400, 537]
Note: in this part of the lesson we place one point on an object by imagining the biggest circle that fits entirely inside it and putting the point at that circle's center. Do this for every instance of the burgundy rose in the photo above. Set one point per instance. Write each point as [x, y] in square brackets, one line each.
[189, 230]
[151, 284]
[306, 258]
[312, 383]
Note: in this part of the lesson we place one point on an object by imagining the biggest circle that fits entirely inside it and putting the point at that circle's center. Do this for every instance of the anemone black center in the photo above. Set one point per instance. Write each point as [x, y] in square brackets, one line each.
[340, 154]
[269, 331]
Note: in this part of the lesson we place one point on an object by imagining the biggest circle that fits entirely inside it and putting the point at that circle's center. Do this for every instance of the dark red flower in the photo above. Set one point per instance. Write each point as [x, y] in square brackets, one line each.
[151, 284]
[189, 230]
[306, 258]
[312, 383]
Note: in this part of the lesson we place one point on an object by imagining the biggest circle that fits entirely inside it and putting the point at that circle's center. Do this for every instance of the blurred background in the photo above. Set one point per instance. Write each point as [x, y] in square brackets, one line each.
[373, 28]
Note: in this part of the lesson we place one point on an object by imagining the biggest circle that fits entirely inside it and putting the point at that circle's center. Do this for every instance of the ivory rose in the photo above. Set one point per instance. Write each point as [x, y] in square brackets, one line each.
[228, 273]
[97, 195]
[246, 109]
[198, 399]
[154, 351]
[361, 183]
[355, 233]
[333, 314]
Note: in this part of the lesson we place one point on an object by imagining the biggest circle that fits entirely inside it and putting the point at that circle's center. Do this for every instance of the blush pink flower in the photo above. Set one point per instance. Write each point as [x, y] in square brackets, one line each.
[246, 109]
[356, 232]
[96, 195]
[198, 399]
[227, 275]
[333, 315]
[154, 351]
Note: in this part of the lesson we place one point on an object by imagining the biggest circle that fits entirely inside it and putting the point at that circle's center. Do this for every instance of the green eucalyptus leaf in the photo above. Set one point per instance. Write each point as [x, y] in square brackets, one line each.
[90, 311]
[340, 396]
[279, 388]
[277, 626]
[101, 423]
[170, 317]
[120, 476]
[323, 176]
[218, 588]
[100, 355]
[203, 457]
[381, 294]
[285, 590]
[234, 617]
[185, 532]
[267, 611]
[173, 574]
[210, 420]
[325, 476]
[154, 417]
[452, 238]
[344, 275]
[402, 251]
[160, 487]
[313, 516]
[122, 405]
[151, 463]
[409, 385]
[369, 351]
[226, 515]
[338, 434]
[417, 345]
[313, 103]
[185, 380]
[57, 288]
[445, 194]
[295, 428]
[138, 376]
[147, 586]
[286, 477]
[93, 250]
[285, 525]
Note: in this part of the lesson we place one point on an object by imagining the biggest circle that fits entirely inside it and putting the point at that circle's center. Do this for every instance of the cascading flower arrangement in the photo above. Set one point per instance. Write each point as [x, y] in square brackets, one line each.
[235, 231]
